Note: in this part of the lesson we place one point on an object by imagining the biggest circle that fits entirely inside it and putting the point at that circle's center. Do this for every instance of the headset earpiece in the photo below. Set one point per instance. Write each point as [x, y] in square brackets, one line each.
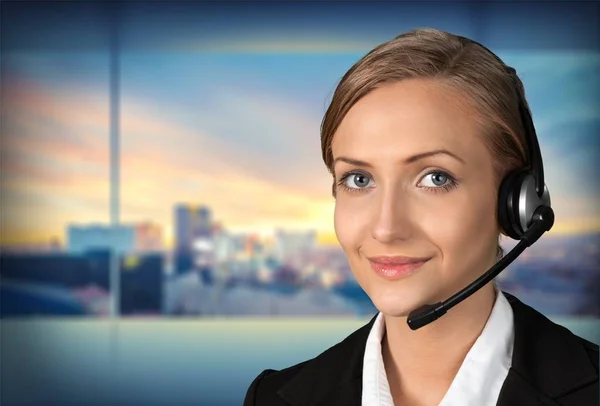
[518, 201]
[508, 204]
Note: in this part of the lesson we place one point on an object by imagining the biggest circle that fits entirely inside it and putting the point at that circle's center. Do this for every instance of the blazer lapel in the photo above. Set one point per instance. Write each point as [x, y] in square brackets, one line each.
[548, 361]
[349, 393]
[333, 378]
[517, 391]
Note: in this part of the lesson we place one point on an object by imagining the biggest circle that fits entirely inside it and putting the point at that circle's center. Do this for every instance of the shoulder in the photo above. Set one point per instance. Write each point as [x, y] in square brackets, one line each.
[577, 342]
[553, 359]
[313, 380]
[263, 389]
[531, 321]
[591, 349]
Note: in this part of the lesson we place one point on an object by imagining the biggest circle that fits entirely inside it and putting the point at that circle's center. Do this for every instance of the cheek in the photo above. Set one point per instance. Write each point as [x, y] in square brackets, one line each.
[466, 230]
[349, 225]
[342, 227]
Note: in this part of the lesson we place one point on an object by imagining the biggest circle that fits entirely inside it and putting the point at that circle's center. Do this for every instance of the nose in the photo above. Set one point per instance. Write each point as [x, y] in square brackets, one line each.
[392, 218]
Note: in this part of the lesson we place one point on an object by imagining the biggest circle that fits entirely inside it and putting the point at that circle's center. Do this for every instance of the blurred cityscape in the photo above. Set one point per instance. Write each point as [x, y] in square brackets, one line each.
[211, 271]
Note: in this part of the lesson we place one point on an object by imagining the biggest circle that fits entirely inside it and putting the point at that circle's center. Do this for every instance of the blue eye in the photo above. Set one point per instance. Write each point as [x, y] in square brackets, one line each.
[438, 178]
[355, 182]
[441, 181]
[358, 181]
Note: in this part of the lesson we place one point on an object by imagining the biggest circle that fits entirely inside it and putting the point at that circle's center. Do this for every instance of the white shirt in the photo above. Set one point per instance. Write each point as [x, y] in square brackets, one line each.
[480, 377]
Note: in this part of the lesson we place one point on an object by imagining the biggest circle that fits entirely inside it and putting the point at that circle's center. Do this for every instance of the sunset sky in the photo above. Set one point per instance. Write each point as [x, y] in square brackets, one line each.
[233, 123]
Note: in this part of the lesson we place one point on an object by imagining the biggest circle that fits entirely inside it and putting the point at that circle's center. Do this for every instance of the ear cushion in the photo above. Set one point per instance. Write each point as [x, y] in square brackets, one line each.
[508, 204]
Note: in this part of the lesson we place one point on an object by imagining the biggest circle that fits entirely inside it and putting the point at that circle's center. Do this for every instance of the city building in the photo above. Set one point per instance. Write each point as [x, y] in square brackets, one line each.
[295, 244]
[192, 223]
[194, 242]
[82, 238]
[149, 237]
[124, 239]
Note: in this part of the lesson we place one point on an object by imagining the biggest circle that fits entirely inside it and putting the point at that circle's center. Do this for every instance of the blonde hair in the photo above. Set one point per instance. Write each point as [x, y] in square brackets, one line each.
[453, 61]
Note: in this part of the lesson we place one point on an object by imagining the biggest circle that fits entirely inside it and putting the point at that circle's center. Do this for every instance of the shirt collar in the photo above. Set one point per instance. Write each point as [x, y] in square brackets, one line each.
[480, 377]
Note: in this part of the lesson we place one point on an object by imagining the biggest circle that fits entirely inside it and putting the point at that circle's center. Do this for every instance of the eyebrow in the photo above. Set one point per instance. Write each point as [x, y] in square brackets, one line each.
[406, 161]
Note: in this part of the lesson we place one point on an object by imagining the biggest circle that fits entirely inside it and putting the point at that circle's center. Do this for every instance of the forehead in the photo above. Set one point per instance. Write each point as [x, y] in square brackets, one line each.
[409, 117]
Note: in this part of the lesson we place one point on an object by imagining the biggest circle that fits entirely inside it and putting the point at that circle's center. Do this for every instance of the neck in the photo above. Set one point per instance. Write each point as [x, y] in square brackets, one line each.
[434, 353]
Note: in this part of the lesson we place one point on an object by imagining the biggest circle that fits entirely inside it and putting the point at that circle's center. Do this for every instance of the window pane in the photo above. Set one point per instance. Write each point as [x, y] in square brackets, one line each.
[54, 160]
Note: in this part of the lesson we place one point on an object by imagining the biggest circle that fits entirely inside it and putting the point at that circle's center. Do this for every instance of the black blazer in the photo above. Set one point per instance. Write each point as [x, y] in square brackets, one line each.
[550, 366]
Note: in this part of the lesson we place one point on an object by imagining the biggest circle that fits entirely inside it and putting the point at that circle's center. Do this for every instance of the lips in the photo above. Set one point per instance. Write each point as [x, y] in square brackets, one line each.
[396, 267]
[397, 260]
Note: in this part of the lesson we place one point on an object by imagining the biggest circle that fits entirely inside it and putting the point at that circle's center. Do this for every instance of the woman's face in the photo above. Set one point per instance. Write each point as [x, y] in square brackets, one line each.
[440, 206]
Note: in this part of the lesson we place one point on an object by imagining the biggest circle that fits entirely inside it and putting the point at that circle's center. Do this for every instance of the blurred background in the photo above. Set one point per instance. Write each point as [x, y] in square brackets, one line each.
[166, 218]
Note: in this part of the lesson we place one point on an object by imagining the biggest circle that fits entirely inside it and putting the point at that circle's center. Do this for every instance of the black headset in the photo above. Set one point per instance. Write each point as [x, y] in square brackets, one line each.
[524, 211]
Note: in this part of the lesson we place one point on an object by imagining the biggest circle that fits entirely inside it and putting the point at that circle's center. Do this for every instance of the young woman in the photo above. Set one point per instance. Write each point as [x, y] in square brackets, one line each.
[419, 136]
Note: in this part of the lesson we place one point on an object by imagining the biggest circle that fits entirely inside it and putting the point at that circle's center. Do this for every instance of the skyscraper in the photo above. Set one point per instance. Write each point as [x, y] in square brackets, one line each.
[191, 223]
[193, 234]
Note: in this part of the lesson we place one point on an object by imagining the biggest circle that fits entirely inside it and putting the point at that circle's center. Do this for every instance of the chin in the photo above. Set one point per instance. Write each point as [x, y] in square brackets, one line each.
[397, 301]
